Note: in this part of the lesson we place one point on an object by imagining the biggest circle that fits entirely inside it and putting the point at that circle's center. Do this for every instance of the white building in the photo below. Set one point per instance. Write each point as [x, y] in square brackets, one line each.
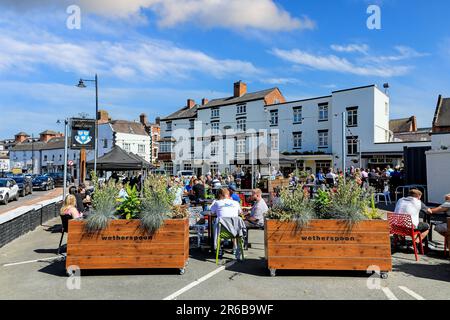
[438, 158]
[307, 133]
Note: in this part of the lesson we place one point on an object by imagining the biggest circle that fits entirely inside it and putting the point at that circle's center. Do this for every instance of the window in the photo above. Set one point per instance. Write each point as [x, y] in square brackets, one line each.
[191, 123]
[324, 165]
[126, 147]
[241, 109]
[141, 148]
[165, 147]
[169, 126]
[274, 141]
[60, 157]
[105, 143]
[352, 146]
[352, 117]
[240, 146]
[214, 168]
[274, 117]
[215, 113]
[298, 115]
[323, 112]
[241, 125]
[155, 153]
[276, 101]
[214, 148]
[215, 128]
[386, 109]
[187, 166]
[192, 145]
[168, 166]
[53, 157]
[45, 158]
[323, 139]
[297, 136]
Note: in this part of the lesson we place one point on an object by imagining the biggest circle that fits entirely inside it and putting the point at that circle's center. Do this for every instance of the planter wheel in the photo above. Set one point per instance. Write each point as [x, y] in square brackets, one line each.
[273, 272]
[182, 271]
[384, 275]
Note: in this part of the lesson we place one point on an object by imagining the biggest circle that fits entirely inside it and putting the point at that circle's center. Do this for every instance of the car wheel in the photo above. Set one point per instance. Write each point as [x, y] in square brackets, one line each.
[5, 201]
[46, 188]
[17, 196]
[23, 193]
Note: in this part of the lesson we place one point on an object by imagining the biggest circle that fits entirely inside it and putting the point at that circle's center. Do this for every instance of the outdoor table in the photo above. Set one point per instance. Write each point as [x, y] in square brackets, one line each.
[437, 217]
[211, 216]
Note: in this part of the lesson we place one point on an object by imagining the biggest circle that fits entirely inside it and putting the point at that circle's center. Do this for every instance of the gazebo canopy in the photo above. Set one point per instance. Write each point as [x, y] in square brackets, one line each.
[119, 160]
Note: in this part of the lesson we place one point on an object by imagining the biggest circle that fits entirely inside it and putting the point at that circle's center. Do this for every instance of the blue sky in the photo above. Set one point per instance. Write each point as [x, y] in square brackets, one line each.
[151, 55]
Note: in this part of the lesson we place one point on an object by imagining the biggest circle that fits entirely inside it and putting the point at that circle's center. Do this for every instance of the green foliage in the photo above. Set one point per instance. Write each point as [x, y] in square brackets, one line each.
[293, 206]
[302, 175]
[157, 203]
[130, 206]
[103, 204]
[322, 204]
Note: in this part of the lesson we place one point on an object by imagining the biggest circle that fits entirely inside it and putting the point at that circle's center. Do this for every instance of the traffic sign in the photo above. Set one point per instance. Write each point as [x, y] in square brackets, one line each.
[70, 163]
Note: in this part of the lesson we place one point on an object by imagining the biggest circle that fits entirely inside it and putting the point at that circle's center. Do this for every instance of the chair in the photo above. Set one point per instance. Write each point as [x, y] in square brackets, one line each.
[401, 226]
[65, 228]
[386, 194]
[223, 233]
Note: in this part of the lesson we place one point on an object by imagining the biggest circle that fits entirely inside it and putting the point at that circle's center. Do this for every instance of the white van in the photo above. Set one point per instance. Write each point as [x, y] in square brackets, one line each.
[185, 173]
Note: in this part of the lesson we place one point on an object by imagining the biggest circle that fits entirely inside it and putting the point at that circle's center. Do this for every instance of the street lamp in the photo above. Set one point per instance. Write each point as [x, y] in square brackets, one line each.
[82, 85]
[66, 133]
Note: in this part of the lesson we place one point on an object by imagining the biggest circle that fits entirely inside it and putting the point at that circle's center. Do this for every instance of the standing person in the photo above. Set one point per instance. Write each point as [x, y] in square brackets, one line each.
[178, 192]
[123, 193]
[320, 177]
[255, 219]
[412, 205]
[331, 177]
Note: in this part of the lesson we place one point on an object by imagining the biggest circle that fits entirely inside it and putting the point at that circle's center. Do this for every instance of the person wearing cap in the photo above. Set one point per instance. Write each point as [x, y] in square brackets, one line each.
[232, 188]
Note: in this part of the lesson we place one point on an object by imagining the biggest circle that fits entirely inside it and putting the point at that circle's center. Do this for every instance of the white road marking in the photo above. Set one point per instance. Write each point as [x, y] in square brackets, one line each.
[412, 293]
[31, 261]
[389, 293]
[197, 282]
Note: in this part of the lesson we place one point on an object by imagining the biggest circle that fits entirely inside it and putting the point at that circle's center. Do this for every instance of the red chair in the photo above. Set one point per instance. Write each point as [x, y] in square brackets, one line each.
[401, 226]
[244, 202]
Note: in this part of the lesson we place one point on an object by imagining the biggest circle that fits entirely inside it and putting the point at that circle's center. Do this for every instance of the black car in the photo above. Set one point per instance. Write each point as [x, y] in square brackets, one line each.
[58, 177]
[43, 183]
[25, 185]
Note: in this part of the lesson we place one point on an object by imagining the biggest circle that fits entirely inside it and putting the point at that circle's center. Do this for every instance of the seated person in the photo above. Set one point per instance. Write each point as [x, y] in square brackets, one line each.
[70, 207]
[232, 189]
[79, 198]
[412, 205]
[198, 191]
[225, 207]
[255, 219]
[442, 228]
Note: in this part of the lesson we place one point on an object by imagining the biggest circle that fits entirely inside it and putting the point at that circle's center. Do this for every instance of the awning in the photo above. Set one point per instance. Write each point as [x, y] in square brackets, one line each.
[118, 159]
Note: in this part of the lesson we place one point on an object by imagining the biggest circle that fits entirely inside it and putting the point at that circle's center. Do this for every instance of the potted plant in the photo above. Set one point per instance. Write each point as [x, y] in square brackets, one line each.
[147, 232]
[338, 230]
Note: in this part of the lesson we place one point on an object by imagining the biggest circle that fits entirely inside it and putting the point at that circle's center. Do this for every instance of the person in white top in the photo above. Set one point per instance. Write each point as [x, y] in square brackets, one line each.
[225, 207]
[412, 205]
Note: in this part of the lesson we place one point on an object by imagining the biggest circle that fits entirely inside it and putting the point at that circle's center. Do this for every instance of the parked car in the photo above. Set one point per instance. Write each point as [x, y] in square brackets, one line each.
[25, 185]
[43, 183]
[8, 190]
[185, 173]
[58, 177]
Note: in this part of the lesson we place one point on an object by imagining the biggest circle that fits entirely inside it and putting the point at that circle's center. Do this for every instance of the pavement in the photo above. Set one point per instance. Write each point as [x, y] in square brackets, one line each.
[35, 197]
[30, 269]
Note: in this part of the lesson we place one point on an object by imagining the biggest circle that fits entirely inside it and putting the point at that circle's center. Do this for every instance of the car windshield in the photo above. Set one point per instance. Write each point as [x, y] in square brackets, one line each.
[40, 178]
[19, 180]
[3, 183]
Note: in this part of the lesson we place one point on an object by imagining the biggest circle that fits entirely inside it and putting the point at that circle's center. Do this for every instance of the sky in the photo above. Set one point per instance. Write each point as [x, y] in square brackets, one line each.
[152, 55]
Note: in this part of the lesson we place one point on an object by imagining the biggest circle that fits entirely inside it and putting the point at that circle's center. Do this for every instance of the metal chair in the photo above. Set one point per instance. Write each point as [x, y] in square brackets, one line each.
[224, 234]
[65, 228]
[386, 194]
[401, 226]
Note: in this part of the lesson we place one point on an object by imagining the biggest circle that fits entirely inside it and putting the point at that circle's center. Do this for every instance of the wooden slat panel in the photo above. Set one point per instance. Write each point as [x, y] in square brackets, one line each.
[331, 225]
[95, 262]
[129, 225]
[303, 263]
[141, 249]
[321, 237]
[164, 237]
[375, 251]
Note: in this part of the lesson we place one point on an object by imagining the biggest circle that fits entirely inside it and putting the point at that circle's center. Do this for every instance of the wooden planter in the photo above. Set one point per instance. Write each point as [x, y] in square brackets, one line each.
[123, 245]
[328, 245]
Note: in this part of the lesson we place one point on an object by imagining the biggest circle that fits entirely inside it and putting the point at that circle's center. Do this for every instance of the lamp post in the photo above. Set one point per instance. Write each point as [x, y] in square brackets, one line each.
[66, 133]
[82, 85]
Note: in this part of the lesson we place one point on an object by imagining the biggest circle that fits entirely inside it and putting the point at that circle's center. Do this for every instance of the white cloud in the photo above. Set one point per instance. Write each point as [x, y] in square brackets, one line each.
[341, 65]
[234, 14]
[145, 58]
[280, 81]
[361, 48]
[403, 53]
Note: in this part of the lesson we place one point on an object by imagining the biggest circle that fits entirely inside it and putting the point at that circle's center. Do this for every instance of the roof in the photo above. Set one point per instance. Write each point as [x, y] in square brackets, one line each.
[21, 133]
[252, 96]
[183, 113]
[131, 127]
[54, 143]
[442, 114]
[49, 132]
[422, 134]
[401, 125]
[119, 159]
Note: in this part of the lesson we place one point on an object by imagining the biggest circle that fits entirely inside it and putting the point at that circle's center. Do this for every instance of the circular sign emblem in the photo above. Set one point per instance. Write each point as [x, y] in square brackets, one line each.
[70, 163]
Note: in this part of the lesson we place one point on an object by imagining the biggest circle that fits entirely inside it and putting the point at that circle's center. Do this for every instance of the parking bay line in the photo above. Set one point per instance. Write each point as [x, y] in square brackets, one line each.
[389, 293]
[31, 261]
[197, 282]
[412, 293]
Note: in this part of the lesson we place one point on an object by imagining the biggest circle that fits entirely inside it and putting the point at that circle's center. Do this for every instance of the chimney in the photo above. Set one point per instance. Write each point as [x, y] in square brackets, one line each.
[205, 101]
[413, 124]
[21, 137]
[190, 103]
[158, 120]
[240, 88]
[143, 119]
[103, 117]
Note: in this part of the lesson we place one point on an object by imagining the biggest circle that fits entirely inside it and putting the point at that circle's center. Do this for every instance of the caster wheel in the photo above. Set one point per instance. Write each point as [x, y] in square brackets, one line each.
[384, 275]
[187, 263]
[273, 272]
[182, 271]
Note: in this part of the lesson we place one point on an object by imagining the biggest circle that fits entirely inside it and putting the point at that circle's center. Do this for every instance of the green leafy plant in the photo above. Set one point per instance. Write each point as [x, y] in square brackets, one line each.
[131, 205]
[322, 203]
[372, 212]
[293, 206]
[157, 203]
[103, 204]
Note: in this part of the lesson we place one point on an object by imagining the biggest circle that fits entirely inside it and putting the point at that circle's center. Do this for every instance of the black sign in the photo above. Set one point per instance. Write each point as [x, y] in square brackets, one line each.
[83, 134]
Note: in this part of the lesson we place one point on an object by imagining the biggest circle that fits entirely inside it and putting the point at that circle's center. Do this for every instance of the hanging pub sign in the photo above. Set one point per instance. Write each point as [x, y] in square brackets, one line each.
[82, 134]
